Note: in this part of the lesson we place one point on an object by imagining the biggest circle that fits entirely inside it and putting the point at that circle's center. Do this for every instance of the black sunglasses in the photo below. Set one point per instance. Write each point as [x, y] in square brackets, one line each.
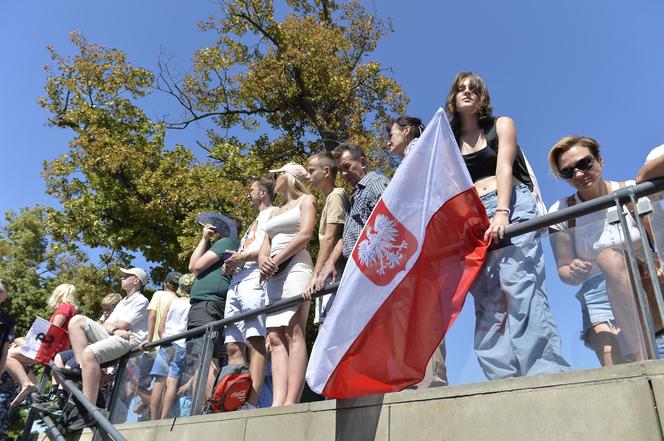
[583, 164]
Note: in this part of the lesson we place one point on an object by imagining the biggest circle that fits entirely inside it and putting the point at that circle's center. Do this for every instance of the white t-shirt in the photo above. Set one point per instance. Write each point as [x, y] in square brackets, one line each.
[593, 233]
[132, 309]
[252, 241]
[655, 153]
[176, 319]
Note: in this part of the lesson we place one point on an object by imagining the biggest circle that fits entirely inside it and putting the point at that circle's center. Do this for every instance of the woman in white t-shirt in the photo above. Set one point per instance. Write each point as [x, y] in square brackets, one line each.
[589, 252]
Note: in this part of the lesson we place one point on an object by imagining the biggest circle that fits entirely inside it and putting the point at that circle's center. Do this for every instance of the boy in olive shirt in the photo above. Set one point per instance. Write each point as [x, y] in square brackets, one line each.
[208, 294]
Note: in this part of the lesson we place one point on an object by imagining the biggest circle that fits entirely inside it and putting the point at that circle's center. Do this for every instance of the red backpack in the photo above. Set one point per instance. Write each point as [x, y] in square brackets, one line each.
[231, 391]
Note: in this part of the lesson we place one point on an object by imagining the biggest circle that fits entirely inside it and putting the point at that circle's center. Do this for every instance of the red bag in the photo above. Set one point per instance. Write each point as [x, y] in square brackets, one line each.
[231, 391]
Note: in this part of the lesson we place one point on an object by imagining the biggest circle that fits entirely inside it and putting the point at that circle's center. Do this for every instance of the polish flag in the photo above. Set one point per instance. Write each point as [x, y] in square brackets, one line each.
[408, 276]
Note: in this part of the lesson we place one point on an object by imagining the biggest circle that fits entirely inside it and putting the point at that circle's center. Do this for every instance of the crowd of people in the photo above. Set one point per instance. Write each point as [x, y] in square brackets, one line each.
[515, 332]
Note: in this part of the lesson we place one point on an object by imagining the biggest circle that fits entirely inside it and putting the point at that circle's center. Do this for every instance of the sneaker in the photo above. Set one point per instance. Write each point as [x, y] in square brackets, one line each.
[49, 407]
[85, 421]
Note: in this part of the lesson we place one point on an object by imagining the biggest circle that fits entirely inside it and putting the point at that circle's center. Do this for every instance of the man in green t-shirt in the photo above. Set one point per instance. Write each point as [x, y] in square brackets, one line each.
[208, 294]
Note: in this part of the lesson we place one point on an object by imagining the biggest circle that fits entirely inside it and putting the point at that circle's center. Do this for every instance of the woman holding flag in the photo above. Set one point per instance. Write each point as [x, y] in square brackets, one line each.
[515, 332]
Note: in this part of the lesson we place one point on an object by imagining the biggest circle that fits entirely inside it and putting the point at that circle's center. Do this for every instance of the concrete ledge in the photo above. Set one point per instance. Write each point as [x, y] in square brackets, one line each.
[618, 403]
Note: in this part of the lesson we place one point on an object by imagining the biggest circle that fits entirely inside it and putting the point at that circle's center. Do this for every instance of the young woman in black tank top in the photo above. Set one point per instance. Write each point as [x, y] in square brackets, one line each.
[515, 332]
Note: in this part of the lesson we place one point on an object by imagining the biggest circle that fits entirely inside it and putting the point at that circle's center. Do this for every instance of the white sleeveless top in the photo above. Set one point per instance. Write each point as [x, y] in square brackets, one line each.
[283, 227]
[176, 319]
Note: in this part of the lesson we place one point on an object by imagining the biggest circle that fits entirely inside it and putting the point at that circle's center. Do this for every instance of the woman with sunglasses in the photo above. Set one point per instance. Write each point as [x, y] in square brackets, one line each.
[588, 252]
[515, 332]
[286, 266]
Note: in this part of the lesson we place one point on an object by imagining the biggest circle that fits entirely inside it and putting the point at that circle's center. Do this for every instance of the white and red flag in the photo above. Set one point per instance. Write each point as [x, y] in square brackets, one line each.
[408, 276]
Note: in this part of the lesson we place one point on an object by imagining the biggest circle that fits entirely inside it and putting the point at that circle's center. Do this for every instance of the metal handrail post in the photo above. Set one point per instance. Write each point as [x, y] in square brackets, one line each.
[102, 422]
[118, 384]
[52, 429]
[203, 372]
[624, 193]
[650, 265]
[25, 435]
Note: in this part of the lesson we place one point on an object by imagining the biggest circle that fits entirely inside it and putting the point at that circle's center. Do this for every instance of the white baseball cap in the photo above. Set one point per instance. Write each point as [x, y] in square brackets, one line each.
[138, 272]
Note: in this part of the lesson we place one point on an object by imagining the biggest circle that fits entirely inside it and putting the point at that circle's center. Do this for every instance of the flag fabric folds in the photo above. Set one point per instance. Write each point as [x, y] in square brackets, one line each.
[408, 275]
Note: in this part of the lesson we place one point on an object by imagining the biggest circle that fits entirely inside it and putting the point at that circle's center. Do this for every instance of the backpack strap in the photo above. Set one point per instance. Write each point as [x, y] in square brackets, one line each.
[571, 201]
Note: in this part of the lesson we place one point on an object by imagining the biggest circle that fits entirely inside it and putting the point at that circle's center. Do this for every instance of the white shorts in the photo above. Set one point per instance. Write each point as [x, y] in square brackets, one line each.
[241, 297]
[106, 347]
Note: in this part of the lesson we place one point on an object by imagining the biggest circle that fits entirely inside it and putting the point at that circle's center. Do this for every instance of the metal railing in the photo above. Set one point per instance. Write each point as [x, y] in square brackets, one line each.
[629, 194]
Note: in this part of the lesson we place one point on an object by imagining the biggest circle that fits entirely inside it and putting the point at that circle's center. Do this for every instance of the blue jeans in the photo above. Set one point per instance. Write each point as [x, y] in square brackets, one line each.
[515, 332]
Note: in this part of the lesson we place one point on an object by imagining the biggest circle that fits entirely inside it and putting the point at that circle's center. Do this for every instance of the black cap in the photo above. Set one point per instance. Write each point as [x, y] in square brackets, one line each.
[172, 278]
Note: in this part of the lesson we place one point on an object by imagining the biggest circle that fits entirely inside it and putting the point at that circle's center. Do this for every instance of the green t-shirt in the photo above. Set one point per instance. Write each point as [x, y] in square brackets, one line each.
[212, 283]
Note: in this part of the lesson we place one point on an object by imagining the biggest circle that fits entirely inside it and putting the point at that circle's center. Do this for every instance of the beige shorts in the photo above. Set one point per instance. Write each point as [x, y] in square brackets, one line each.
[105, 347]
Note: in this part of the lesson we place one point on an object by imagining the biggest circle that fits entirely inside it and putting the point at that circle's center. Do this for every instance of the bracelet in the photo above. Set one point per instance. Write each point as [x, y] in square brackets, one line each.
[504, 210]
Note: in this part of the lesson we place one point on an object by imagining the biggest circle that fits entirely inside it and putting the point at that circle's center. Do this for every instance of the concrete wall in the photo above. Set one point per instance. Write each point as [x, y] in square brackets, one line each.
[618, 403]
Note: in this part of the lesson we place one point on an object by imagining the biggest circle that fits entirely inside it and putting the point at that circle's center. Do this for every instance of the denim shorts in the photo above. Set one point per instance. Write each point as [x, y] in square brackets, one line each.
[170, 362]
[595, 306]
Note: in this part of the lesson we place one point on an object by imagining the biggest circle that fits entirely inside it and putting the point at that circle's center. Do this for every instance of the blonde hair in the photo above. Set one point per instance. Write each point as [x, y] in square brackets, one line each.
[65, 293]
[111, 299]
[567, 143]
[295, 185]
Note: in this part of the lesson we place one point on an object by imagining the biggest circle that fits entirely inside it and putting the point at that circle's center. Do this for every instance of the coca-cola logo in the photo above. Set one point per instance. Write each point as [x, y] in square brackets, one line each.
[239, 395]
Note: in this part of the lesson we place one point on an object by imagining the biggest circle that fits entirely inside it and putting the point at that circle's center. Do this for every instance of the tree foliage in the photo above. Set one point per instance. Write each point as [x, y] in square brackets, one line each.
[293, 76]
[33, 265]
[305, 75]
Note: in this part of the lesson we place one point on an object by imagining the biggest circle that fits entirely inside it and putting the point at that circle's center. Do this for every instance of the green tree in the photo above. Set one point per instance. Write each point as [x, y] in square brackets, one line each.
[306, 76]
[33, 265]
[294, 81]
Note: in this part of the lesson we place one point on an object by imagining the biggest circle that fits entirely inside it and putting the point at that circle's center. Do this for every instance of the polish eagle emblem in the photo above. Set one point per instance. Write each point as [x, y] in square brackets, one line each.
[384, 246]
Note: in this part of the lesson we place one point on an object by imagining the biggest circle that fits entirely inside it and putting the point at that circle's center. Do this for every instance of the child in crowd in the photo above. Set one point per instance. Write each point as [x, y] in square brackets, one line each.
[108, 305]
[171, 358]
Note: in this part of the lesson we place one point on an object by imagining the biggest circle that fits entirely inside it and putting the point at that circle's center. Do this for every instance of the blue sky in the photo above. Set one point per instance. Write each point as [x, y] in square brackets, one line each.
[557, 68]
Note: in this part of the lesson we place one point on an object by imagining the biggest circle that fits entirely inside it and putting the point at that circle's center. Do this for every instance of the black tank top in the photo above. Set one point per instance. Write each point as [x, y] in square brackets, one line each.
[483, 163]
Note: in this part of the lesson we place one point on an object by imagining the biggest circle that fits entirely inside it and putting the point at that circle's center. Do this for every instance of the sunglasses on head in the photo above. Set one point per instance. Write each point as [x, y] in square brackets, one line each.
[583, 164]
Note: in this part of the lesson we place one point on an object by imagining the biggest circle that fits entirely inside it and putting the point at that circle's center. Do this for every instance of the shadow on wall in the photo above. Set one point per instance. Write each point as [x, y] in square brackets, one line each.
[357, 418]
